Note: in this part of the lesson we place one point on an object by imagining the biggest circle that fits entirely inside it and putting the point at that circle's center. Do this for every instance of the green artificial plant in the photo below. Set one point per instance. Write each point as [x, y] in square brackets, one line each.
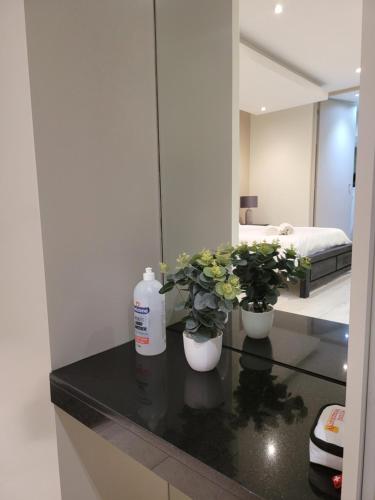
[210, 290]
[263, 268]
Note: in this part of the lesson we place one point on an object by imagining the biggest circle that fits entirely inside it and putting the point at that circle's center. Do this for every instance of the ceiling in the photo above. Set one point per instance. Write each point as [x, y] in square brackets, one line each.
[266, 86]
[317, 39]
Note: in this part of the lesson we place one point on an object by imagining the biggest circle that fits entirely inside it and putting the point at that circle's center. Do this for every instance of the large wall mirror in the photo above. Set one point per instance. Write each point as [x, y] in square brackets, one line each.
[257, 123]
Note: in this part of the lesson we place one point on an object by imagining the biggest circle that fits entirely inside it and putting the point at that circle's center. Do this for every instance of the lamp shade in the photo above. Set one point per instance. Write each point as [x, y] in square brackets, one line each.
[248, 201]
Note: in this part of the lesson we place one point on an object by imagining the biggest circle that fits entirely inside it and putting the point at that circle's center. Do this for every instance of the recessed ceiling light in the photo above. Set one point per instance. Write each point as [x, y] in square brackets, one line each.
[278, 8]
[345, 367]
[263, 108]
[358, 70]
[357, 95]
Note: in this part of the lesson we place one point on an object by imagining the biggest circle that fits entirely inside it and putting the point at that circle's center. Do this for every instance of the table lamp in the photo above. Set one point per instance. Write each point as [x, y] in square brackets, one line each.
[248, 202]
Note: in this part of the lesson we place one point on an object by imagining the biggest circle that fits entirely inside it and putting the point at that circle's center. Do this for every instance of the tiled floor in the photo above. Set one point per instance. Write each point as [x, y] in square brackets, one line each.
[330, 301]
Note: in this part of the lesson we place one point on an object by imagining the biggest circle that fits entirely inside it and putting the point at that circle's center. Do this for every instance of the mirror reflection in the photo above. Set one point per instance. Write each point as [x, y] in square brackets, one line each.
[288, 94]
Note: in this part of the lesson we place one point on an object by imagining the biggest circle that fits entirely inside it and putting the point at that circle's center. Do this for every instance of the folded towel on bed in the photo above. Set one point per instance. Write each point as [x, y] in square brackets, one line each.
[286, 228]
[271, 230]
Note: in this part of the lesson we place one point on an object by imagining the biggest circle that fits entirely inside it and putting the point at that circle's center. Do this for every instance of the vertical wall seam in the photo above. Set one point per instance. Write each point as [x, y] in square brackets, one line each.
[158, 135]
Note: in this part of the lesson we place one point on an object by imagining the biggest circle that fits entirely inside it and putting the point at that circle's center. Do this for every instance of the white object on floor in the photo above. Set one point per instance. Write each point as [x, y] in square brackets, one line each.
[306, 240]
[330, 301]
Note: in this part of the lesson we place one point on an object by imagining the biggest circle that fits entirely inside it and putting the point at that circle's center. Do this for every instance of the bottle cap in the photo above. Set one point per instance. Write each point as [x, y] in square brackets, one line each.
[148, 275]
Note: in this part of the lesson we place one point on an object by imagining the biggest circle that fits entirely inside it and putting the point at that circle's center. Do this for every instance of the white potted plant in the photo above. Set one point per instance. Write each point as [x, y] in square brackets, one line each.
[264, 268]
[211, 293]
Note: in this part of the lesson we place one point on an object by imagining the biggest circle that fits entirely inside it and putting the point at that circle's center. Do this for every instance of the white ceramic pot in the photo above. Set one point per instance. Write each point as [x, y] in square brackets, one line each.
[203, 356]
[257, 325]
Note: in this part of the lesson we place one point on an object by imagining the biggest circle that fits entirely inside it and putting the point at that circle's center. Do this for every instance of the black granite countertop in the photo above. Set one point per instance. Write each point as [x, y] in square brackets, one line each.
[247, 422]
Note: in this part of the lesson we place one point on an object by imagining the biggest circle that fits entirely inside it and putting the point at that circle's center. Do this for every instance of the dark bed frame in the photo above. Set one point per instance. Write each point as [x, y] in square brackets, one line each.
[325, 266]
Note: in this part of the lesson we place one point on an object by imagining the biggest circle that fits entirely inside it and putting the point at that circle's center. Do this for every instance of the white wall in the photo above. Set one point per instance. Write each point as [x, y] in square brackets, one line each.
[94, 109]
[197, 60]
[93, 90]
[282, 149]
[28, 460]
[197, 56]
[360, 392]
[335, 165]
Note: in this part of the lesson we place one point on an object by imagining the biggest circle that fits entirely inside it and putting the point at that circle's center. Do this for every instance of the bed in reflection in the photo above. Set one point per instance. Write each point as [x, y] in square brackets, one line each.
[329, 249]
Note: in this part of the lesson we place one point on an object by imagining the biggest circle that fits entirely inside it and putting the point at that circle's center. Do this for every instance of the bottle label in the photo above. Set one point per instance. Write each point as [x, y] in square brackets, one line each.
[141, 320]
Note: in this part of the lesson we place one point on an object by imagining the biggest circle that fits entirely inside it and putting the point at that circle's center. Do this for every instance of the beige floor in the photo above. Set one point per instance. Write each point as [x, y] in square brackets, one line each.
[330, 301]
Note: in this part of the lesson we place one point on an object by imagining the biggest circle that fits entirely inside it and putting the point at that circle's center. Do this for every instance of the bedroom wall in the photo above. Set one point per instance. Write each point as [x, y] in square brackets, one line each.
[28, 464]
[244, 153]
[282, 156]
[244, 163]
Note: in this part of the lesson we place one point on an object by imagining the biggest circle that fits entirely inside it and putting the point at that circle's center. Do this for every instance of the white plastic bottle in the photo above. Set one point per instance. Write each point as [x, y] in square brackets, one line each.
[149, 316]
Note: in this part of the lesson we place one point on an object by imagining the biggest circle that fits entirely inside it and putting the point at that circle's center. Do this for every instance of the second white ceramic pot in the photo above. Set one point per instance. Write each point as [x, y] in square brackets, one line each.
[203, 356]
[257, 325]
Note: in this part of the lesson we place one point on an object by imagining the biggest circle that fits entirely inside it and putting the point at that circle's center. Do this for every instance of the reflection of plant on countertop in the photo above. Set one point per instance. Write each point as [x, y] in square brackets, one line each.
[263, 268]
[211, 289]
[207, 434]
[260, 398]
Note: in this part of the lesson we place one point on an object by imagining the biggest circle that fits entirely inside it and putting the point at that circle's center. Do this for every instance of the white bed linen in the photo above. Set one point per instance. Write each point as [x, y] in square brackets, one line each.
[306, 240]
